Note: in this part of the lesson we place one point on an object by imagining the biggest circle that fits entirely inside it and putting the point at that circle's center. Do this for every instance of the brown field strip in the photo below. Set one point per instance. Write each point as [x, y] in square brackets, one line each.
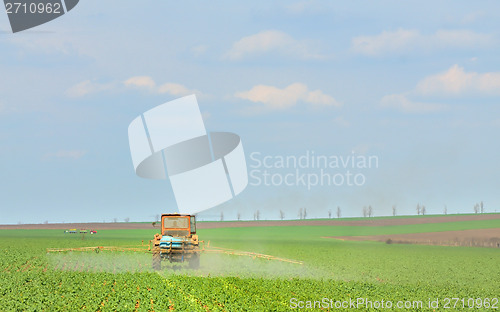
[476, 237]
[230, 224]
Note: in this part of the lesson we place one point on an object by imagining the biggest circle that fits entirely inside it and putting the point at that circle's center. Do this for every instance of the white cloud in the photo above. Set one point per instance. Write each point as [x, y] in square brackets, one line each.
[318, 98]
[278, 99]
[452, 83]
[87, 87]
[140, 82]
[403, 104]
[404, 41]
[66, 154]
[396, 41]
[137, 82]
[456, 81]
[147, 83]
[274, 97]
[270, 41]
[176, 89]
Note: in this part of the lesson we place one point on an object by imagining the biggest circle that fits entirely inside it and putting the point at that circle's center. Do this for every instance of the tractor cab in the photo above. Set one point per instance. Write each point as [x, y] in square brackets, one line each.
[178, 225]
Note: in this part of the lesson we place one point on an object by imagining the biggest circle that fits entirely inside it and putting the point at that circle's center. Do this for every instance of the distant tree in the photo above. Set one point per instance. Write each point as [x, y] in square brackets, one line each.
[339, 212]
[46, 222]
[476, 208]
[153, 224]
[305, 213]
[370, 211]
[221, 216]
[258, 215]
[238, 216]
[445, 210]
[115, 220]
[482, 206]
[301, 213]
[423, 210]
[157, 218]
[282, 214]
[365, 212]
[329, 214]
[255, 216]
[127, 219]
[418, 209]
[394, 210]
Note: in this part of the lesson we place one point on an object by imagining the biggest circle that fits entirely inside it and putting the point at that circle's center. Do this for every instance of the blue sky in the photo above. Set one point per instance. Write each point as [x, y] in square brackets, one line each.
[415, 83]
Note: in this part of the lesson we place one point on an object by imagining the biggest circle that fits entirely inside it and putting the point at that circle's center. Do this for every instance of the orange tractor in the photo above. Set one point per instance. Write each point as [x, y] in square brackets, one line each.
[177, 242]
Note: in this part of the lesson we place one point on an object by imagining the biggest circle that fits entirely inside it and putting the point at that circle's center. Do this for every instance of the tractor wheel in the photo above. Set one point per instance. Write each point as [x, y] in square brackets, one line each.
[156, 258]
[194, 261]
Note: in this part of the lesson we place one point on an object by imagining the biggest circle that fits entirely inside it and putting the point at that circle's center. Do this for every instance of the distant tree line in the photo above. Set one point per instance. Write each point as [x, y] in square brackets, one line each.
[479, 207]
[367, 212]
[302, 213]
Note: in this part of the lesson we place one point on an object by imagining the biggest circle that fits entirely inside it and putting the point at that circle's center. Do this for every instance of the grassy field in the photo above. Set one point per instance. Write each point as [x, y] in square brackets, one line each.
[32, 280]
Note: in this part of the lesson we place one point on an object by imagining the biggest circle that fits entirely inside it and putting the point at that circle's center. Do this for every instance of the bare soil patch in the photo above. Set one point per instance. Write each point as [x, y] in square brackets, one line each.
[478, 237]
[340, 222]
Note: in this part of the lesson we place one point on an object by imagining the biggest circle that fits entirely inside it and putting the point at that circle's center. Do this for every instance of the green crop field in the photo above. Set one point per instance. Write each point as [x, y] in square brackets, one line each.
[33, 280]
